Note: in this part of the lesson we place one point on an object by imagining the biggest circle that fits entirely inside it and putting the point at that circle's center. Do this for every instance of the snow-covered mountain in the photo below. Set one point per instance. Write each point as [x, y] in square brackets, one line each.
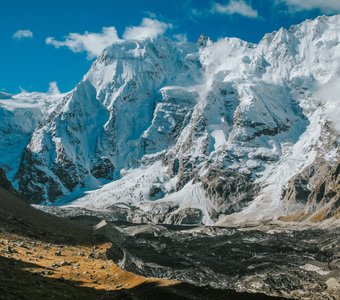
[20, 115]
[192, 133]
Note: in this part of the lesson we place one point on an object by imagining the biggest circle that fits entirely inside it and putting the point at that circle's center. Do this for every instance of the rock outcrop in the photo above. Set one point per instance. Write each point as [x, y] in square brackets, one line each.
[316, 190]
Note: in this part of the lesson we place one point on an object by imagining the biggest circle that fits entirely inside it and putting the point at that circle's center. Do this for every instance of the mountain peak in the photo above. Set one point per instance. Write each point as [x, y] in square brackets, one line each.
[171, 129]
[204, 41]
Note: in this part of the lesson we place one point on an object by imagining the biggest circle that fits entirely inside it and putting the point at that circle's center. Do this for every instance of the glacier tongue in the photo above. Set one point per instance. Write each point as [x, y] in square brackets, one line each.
[179, 132]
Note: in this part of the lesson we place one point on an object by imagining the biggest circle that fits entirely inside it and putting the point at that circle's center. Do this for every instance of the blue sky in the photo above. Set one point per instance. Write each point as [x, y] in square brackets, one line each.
[56, 41]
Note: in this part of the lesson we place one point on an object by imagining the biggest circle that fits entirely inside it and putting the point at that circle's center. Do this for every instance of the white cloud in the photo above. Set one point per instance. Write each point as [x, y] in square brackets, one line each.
[327, 6]
[149, 28]
[181, 37]
[22, 90]
[235, 7]
[53, 88]
[197, 13]
[92, 43]
[22, 34]
[328, 96]
[151, 14]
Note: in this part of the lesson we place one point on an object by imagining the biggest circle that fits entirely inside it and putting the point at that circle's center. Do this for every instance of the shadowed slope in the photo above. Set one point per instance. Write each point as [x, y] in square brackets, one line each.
[19, 217]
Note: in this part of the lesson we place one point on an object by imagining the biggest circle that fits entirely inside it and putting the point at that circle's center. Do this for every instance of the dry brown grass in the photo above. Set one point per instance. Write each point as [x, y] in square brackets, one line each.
[318, 217]
[72, 263]
[296, 217]
[323, 215]
[31, 268]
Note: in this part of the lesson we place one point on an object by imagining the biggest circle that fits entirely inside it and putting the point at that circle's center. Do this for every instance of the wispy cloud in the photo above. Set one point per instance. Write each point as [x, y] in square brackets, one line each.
[22, 90]
[235, 7]
[23, 34]
[328, 97]
[92, 43]
[149, 28]
[326, 6]
[53, 88]
[180, 37]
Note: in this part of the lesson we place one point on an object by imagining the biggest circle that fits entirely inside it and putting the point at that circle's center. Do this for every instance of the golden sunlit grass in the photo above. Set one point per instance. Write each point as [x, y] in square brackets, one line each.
[297, 217]
[314, 218]
[87, 266]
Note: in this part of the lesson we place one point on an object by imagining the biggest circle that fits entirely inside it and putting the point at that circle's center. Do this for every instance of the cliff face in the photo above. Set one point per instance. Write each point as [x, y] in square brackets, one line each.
[316, 191]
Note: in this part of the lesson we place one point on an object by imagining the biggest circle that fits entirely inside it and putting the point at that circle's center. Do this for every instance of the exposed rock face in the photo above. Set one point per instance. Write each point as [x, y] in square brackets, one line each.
[103, 168]
[316, 190]
[228, 190]
[186, 216]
